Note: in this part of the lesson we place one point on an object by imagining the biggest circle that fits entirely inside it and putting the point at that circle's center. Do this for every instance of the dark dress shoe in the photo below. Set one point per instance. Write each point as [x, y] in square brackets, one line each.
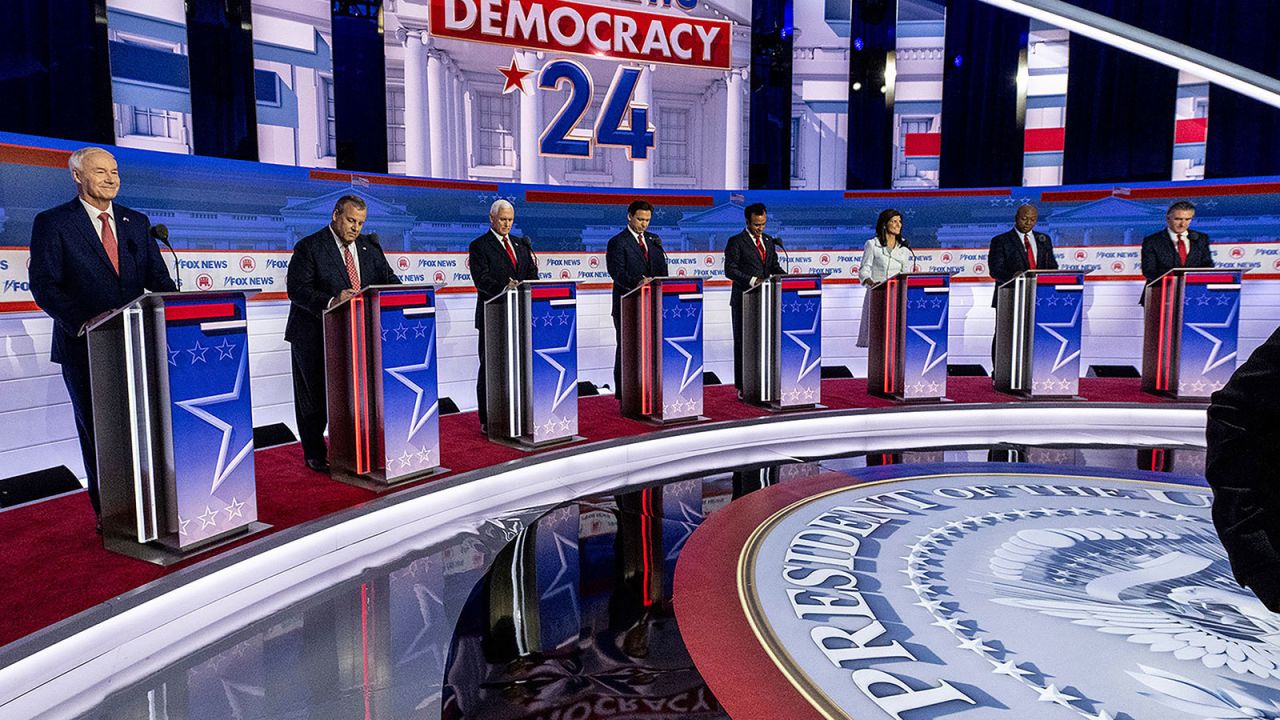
[320, 466]
[98, 526]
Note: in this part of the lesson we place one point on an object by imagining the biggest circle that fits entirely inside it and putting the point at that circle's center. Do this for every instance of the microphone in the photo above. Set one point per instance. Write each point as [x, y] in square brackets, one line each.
[161, 232]
[903, 242]
[778, 242]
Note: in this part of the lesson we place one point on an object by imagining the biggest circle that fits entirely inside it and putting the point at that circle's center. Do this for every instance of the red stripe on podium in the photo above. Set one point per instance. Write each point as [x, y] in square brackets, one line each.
[673, 289]
[1060, 279]
[799, 284]
[211, 311]
[926, 282]
[560, 292]
[1214, 278]
[405, 300]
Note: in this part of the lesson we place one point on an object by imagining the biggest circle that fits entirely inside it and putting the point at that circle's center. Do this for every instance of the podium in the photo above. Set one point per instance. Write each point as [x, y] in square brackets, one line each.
[380, 372]
[907, 359]
[662, 351]
[173, 424]
[1192, 324]
[782, 343]
[1038, 319]
[531, 364]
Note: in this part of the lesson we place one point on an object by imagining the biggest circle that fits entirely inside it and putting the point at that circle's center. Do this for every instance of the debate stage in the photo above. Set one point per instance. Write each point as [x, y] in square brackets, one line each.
[525, 585]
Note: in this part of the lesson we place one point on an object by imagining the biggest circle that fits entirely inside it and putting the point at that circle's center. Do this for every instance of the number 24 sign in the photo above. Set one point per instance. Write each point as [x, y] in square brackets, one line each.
[622, 123]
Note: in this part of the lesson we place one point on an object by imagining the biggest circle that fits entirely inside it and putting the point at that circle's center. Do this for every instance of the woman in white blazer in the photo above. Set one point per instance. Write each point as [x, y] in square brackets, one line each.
[884, 256]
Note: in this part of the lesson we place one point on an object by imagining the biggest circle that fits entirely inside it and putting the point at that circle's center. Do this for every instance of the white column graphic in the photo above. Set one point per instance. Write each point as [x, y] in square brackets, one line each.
[415, 103]
[642, 170]
[733, 130]
[531, 165]
[437, 127]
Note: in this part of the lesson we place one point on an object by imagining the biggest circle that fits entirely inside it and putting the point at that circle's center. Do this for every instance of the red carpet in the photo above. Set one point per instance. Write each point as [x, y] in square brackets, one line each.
[53, 565]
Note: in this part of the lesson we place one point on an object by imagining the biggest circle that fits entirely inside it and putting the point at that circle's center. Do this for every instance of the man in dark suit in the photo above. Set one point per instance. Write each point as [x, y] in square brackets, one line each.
[749, 257]
[498, 260]
[327, 268]
[88, 257]
[1020, 249]
[634, 256]
[1243, 434]
[1175, 246]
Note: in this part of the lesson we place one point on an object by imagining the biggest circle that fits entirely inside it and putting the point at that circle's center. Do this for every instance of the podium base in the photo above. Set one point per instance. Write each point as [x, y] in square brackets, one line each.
[912, 401]
[773, 406]
[377, 482]
[661, 422]
[526, 446]
[165, 551]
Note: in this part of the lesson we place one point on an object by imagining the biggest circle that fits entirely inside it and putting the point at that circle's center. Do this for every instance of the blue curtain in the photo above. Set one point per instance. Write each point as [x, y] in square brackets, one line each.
[1244, 134]
[224, 120]
[56, 77]
[982, 132]
[872, 36]
[769, 133]
[359, 86]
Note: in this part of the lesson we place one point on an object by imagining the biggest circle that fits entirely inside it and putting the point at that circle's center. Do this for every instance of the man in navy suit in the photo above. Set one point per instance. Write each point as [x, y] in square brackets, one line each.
[88, 257]
[634, 256]
[1020, 249]
[327, 268]
[1175, 246]
[498, 260]
[749, 257]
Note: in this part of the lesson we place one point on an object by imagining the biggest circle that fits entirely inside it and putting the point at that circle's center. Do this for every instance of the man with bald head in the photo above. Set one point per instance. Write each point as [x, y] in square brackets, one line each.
[90, 256]
[1020, 249]
[497, 260]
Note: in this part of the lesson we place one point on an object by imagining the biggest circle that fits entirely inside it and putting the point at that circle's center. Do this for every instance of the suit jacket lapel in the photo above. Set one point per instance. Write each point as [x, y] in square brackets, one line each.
[329, 249]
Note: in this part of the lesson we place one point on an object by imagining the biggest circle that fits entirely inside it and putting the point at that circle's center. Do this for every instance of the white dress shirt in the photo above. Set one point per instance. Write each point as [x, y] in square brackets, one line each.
[879, 263]
[97, 224]
[1173, 238]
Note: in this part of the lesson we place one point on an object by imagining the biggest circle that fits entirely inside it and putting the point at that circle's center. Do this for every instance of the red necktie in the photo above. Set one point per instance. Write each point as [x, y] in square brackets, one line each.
[109, 242]
[353, 277]
[759, 247]
[510, 253]
[643, 248]
[1182, 250]
[1031, 254]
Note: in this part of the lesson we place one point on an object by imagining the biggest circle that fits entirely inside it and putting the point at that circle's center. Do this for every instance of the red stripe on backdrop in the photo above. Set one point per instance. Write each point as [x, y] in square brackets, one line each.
[922, 144]
[983, 192]
[398, 181]
[1044, 139]
[210, 311]
[588, 198]
[1191, 131]
[1262, 188]
[39, 157]
[1074, 195]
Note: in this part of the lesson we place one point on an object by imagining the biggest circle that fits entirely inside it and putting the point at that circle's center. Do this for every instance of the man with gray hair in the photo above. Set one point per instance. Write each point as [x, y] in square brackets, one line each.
[498, 260]
[1174, 246]
[327, 268]
[90, 256]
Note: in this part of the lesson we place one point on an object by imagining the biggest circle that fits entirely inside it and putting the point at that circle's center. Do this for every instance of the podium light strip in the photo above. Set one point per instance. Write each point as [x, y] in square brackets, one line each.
[1163, 359]
[766, 342]
[646, 546]
[646, 351]
[358, 387]
[519, 622]
[1018, 348]
[513, 409]
[135, 374]
[891, 336]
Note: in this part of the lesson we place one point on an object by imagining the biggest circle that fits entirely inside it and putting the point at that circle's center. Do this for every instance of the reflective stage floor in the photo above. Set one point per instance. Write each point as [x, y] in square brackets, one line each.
[995, 581]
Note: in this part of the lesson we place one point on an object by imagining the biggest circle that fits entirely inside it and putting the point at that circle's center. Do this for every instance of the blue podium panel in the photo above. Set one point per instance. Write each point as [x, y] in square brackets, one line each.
[410, 395]
[553, 386]
[800, 352]
[211, 411]
[556, 564]
[681, 349]
[924, 342]
[1210, 330]
[1055, 352]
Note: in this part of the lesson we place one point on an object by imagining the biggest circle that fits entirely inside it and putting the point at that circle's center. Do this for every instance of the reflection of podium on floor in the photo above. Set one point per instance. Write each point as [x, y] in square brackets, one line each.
[782, 342]
[531, 363]
[907, 359]
[662, 351]
[1190, 332]
[173, 424]
[380, 368]
[1039, 314]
